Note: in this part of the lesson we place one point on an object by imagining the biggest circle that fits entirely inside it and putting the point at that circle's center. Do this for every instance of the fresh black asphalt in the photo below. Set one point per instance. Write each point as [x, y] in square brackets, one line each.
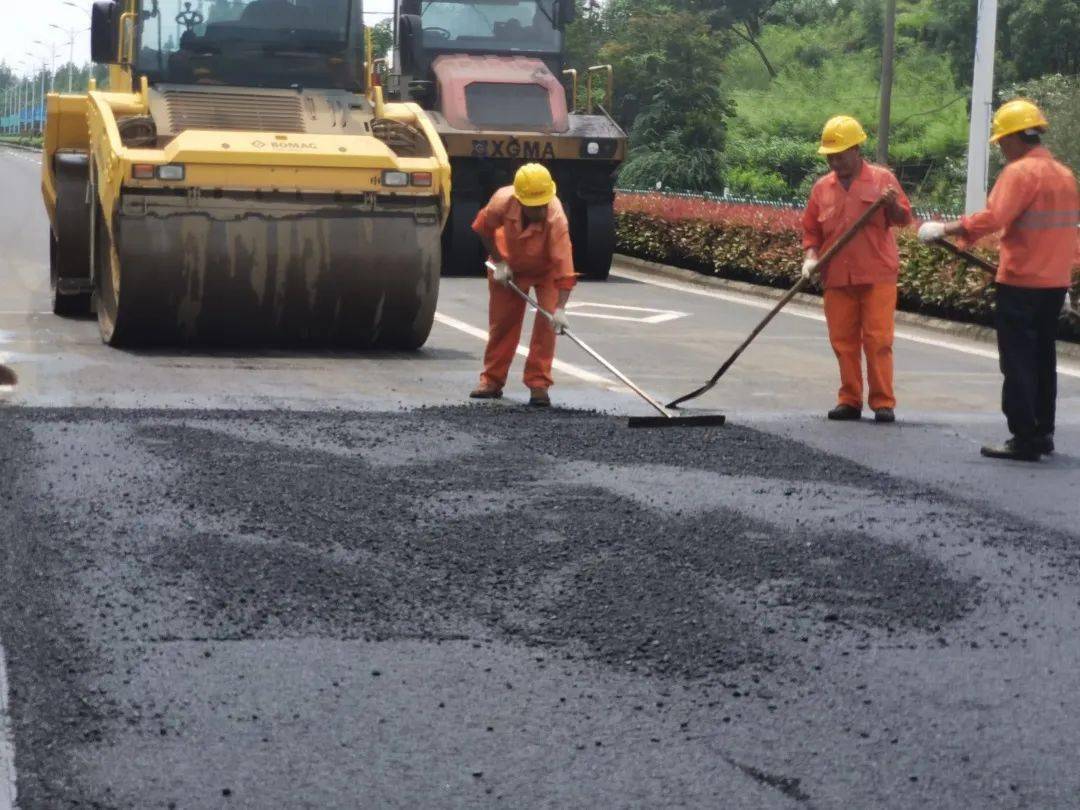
[555, 610]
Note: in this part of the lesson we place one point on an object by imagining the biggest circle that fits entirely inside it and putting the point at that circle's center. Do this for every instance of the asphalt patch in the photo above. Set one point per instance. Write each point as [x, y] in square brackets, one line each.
[287, 541]
[430, 525]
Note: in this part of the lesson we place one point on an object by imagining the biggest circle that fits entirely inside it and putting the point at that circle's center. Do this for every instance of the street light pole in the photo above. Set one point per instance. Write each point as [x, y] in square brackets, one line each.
[28, 94]
[982, 100]
[71, 34]
[888, 62]
[52, 63]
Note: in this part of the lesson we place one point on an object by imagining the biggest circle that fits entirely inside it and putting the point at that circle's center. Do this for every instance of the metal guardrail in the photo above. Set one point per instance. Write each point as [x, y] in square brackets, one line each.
[28, 119]
[761, 202]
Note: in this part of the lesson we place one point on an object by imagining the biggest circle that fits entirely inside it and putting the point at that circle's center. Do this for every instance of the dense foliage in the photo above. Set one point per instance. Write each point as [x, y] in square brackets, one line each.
[763, 244]
[733, 93]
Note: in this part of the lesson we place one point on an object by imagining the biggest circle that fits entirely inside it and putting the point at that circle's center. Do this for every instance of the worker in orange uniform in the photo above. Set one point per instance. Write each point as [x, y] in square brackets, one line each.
[860, 282]
[525, 231]
[1036, 205]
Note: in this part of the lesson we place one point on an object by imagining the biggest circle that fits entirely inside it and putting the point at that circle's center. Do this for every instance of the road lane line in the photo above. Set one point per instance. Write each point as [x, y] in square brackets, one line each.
[559, 365]
[7, 743]
[31, 160]
[1064, 369]
[658, 316]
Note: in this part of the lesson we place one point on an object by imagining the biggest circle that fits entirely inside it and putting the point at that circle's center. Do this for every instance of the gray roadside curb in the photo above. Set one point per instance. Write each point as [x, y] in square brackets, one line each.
[20, 147]
[969, 331]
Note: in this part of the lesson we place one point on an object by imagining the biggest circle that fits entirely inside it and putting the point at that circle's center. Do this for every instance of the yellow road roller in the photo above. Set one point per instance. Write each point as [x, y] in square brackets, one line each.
[241, 181]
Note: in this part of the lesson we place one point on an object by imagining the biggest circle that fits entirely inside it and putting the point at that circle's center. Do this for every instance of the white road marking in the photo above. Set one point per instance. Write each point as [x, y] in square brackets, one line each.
[1064, 369]
[559, 365]
[656, 316]
[7, 743]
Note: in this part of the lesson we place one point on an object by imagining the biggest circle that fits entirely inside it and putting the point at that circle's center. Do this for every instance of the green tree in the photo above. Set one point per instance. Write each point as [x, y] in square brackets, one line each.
[675, 107]
[382, 37]
[1035, 37]
[1043, 36]
[743, 18]
[1059, 98]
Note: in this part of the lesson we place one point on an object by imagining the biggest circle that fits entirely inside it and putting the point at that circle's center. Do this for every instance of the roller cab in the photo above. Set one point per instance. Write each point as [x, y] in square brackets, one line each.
[243, 182]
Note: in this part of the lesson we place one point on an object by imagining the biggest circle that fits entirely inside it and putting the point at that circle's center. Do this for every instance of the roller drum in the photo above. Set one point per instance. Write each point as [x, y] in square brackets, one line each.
[274, 270]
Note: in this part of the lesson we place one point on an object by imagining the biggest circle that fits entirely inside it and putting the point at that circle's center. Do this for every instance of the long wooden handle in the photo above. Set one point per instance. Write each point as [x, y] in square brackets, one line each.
[826, 257]
[967, 255]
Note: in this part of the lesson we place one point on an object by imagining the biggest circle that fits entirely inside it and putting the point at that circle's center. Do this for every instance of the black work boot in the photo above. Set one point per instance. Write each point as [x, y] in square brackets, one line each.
[1014, 449]
[845, 413]
[1045, 444]
[885, 416]
[538, 398]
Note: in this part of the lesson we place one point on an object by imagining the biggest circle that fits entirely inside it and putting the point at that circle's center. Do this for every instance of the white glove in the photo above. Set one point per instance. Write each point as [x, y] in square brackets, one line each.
[560, 321]
[808, 267]
[501, 273]
[931, 232]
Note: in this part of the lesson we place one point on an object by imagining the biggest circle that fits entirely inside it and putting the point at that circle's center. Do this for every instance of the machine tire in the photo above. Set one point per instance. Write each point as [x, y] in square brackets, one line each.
[463, 253]
[593, 235]
[63, 305]
[108, 286]
[69, 242]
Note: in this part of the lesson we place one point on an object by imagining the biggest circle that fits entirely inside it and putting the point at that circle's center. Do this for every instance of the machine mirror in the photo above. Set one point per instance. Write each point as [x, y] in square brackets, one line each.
[412, 41]
[567, 11]
[104, 33]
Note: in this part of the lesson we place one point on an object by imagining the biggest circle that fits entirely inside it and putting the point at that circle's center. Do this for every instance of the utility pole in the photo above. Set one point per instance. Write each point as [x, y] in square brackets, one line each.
[888, 66]
[982, 100]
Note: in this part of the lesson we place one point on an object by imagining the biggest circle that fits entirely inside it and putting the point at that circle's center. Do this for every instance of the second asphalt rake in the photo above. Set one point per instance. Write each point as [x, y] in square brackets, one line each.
[836, 247]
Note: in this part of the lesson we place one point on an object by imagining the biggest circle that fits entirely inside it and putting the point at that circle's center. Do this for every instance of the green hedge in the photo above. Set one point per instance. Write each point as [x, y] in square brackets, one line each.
[22, 140]
[932, 282]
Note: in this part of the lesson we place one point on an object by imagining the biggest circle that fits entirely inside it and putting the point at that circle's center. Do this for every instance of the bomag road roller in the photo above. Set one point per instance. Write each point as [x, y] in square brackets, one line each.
[242, 181]
[490, 74]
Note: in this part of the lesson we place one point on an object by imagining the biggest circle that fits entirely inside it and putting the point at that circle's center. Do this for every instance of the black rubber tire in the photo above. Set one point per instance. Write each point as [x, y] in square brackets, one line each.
[107, 287]
[64, 305]
[69, 242]
[463, 253]
[592, 230]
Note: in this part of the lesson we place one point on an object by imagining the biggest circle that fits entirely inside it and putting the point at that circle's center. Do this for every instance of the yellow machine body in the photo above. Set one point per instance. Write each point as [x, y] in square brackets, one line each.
[217, 213]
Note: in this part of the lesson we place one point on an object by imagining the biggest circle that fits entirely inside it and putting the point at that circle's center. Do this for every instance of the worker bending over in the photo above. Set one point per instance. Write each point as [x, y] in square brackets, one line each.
[1036, 206]
[860, 282]
[524, 230]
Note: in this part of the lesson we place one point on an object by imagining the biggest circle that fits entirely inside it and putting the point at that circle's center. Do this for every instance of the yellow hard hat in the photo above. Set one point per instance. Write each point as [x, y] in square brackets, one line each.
[533, 185]
[1016, 116]
[840, 134]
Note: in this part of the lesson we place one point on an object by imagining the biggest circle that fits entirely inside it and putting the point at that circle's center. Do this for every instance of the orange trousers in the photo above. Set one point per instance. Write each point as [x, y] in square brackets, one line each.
[506, 312]
[861, 320]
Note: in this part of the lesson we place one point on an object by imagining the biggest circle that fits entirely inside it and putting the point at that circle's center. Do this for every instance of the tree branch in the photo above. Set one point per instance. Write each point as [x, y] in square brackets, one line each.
[749, 37]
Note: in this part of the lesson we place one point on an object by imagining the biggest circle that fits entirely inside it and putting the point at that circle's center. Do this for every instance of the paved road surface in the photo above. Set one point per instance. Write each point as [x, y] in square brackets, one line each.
[317, 580]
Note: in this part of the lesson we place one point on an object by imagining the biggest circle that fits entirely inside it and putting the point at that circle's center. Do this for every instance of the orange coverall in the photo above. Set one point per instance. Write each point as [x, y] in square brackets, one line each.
[1035, 203]
[860, 283]
[542, 260]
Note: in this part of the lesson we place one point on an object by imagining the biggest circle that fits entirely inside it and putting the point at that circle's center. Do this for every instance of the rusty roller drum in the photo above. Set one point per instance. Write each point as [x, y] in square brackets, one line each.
[283, 269]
